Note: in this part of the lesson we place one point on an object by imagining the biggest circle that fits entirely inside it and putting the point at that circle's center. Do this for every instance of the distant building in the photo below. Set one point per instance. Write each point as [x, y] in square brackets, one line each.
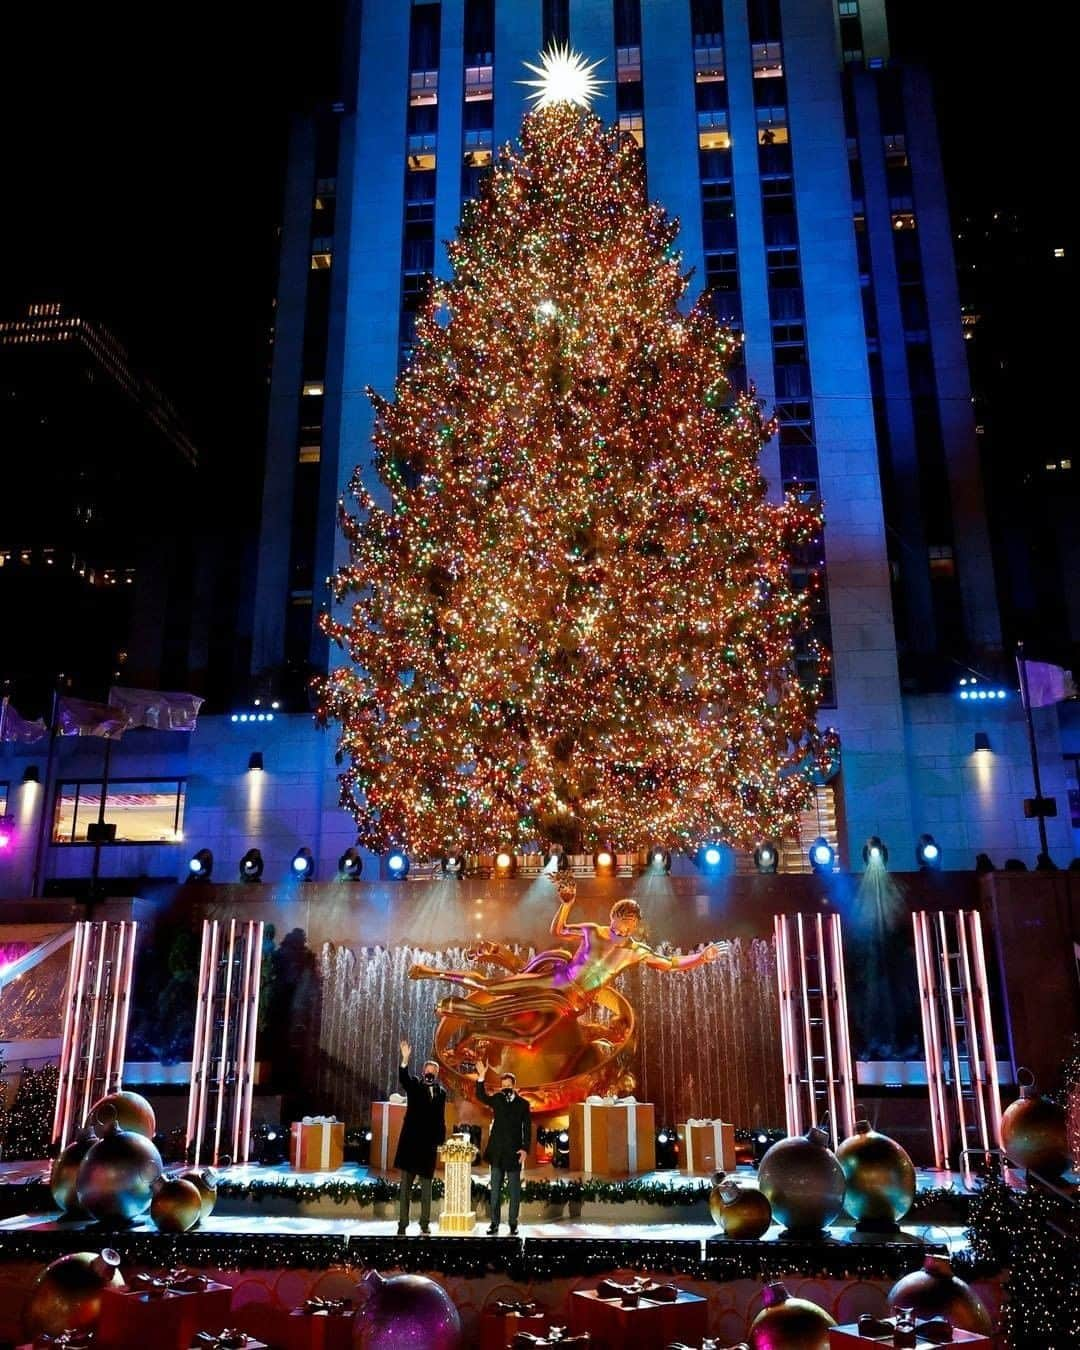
[99, 482]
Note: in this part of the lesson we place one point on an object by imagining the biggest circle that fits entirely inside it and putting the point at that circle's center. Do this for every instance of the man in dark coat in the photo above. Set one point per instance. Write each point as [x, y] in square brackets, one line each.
[422, 1131]
[508, 1143]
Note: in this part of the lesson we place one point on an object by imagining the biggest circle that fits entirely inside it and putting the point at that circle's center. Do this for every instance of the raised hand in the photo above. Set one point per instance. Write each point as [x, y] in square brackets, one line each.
[481, 1069]
[406, 1051]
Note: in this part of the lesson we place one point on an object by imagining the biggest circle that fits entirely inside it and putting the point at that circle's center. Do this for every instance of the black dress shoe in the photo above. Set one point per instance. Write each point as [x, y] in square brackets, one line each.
[425, 1232]
[401, 1232]
[513, 1230]
[493, 1230]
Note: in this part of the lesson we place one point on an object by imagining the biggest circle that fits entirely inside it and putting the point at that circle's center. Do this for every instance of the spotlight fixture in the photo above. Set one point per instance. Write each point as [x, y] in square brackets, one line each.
[452, 865]
[350, 865]
[982, 743]
[255, 760]
[710, 858]
[555, 860]
[251, 866]
[822, 855]
[303, 865]
[1014, 865]
[927, 853]
[874, 852]
[984, 864]
[200, 865]
[603, 862]
[505, 863]
[767, 857]
[31, 774]
[659, 861]
[397, 864]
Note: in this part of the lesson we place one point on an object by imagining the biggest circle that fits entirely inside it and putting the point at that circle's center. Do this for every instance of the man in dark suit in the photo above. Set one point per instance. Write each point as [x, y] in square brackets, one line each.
[508, 1143]
[422, 1131]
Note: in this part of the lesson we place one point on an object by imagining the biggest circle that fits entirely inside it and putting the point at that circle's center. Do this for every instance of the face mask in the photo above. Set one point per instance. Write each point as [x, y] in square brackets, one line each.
[508, 1093]
[429, 1077]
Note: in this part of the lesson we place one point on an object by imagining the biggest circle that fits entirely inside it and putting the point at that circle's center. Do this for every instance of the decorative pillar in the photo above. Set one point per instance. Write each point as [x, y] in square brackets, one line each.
[457, 1156]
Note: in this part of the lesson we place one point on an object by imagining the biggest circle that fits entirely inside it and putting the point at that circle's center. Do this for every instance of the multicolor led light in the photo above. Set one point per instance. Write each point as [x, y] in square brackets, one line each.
[575, 621]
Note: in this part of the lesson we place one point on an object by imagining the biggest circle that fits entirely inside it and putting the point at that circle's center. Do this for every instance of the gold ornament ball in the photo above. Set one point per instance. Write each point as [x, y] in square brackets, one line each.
[116, 1179]
[803, 1182]
[67, 1293]
[176, 1206]
[1034, 1130]
[935, 1291]
[741, 1212]
[879, 1177]
[65, 1171]
[787, 1323]
[132, 1112]
[205, 1181]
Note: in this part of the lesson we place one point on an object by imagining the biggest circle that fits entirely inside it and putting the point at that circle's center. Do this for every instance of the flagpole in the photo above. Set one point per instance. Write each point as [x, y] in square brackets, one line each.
[1021, 666]
[39, 851]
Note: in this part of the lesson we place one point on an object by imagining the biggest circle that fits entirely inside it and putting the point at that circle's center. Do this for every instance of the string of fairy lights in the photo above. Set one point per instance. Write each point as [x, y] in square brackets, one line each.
[576, 620]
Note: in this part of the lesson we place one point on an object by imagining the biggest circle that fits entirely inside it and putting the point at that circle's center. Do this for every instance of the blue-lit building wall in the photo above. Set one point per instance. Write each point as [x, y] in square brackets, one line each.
[804, 170]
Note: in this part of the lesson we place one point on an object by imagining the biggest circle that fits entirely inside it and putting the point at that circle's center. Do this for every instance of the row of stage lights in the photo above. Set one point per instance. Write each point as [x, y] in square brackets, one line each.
[712, 859]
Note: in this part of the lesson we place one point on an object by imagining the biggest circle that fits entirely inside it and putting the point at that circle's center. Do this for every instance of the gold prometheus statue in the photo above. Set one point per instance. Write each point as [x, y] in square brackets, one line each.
[554, 1020]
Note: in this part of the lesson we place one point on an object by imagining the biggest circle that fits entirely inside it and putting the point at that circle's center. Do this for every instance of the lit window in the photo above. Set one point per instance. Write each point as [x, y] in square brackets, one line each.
[478, 84]
[852, 56]
[325, 187]
[942, 563]
[903, 220]
[634, 125]
[896, 150]
[1059, 253]
[627, 65]
[1066, 463]
[313, 389]
[423, 88]
[772, 126]
[767, 59]
[421, 152]
[3, 799]
[142, 812]
[309, 454]
[713, 131]
[848, 9]
[708, 64]
[322, 252]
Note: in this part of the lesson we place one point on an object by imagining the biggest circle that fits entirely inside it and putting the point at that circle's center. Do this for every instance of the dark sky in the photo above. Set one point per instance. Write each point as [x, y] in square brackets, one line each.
[142, 149]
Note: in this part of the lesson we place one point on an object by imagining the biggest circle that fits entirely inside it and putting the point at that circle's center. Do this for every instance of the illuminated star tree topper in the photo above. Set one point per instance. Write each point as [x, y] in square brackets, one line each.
[565, 76]
[575, 620]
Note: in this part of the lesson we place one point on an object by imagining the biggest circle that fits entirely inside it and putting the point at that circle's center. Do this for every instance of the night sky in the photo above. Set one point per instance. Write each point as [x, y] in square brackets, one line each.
[143, 161]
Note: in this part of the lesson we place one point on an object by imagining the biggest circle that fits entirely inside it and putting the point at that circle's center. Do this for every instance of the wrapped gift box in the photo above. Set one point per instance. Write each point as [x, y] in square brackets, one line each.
[928, 1333]
[64, 1340]
[320, 1324]
[501, 1322]
[706, 1146]
[648, 1325]
[387, 1119]
[612, 1139]
[164, 1310]
[316, 1145]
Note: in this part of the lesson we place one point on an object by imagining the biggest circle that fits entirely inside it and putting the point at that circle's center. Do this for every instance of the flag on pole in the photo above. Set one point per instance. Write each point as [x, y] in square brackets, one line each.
[18, 729]
[78, 717]
[1046, 684]
[154, 708]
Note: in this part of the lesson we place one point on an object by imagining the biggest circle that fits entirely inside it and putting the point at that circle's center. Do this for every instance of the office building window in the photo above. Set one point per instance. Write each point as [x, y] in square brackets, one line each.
[627, 65]
[313, 389]
[309, 454]
[479, 82]
[421, 152]
[423, 88]
[942, 563]
[708, 64]
[767, 59]
[713, 131]
[772, 126]
[707, 21]
[143, 812]
[848, 9]
[556, 21]
[4, 788]
[634, 125]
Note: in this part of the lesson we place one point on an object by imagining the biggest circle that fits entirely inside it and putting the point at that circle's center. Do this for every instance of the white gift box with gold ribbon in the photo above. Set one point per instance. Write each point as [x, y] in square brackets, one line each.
[706, 1146]
[612, 1138]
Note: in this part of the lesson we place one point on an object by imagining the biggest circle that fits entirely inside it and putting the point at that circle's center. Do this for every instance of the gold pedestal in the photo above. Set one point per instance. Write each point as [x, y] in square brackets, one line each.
[457, 1156]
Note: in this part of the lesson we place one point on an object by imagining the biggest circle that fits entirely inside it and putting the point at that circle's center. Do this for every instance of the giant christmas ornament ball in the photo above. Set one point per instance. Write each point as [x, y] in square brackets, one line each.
[406, 1312]
[1034, 1130]
[65, 1171]
[803, 1182]
[116, 1178]
[787, 1323]
[130, 1110]
[176, 1206]
[205, 1181]
[879, 1176]
[935, 1291]
[742, 1212]
[67, 1293]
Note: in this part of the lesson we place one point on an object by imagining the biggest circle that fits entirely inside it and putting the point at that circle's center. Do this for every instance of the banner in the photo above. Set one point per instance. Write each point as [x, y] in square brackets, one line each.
[18, 729]
[153, 708]
[1046, 684]
[79, 717]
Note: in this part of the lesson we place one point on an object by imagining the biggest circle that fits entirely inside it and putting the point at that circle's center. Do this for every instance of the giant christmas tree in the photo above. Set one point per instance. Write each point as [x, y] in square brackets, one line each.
[574, 621]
